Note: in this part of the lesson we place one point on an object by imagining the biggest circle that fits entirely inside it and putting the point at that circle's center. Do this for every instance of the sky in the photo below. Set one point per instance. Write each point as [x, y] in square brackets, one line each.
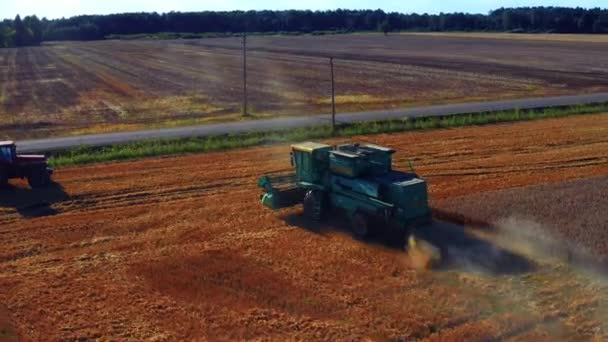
[66, 8]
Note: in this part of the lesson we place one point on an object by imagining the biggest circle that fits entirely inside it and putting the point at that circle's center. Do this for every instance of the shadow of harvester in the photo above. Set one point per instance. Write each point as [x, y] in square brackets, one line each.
[459, 249]
[31, 203]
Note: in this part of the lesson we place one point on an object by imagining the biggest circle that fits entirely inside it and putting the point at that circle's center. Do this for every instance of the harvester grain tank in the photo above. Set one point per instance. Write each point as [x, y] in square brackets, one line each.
[356, 178]
[33, 167]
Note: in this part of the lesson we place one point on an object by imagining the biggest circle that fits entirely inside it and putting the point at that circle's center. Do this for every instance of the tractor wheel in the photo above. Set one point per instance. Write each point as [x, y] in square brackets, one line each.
[39, 178]
[3, 179]
[313, 205]
[360, 225]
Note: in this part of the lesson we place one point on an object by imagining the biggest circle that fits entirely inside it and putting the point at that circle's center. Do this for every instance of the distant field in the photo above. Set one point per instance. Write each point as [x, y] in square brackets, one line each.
[77, 88]
[579, 38]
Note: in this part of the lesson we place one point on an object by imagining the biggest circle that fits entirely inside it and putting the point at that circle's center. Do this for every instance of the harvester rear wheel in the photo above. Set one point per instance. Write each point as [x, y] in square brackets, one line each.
[313, 205]
[360, 225]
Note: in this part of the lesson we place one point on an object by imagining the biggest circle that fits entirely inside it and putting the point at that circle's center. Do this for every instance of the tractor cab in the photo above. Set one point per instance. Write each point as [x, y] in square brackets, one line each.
[8, 152]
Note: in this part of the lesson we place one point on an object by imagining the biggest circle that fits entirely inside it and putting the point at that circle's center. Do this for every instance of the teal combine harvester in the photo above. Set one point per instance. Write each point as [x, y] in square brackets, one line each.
[358, 179]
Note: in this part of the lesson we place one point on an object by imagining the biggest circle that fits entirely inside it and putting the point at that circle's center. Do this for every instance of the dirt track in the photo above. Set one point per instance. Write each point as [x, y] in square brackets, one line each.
[180, 249]
[78, 88]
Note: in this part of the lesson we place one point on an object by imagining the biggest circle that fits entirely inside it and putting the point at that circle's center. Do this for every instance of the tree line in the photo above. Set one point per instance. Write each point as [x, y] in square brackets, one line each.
[22, 32]
[33, 31]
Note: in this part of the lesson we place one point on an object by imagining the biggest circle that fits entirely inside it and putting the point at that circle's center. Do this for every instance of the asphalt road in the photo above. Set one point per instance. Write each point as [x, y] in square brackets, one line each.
[52, 144]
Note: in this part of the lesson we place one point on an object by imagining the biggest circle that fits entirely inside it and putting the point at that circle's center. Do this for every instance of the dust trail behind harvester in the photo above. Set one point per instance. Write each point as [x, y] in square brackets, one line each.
[545, 282]
[532, 239]
[574, 279]
[450, 246]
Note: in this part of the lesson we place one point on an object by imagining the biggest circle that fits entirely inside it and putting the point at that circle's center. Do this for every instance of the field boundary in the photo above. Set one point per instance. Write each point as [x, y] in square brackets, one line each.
[165, 147]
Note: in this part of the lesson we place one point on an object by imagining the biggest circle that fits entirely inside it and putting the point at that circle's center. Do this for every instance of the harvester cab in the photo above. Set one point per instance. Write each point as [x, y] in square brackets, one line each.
[33, 167]
[355, 178]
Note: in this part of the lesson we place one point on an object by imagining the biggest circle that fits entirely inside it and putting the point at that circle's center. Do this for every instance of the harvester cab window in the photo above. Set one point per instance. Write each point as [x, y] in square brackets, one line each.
[6, 153]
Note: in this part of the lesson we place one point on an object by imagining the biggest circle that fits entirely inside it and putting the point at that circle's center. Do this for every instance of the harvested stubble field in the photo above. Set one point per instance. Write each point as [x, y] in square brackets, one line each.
[77, 87]
[181, 249]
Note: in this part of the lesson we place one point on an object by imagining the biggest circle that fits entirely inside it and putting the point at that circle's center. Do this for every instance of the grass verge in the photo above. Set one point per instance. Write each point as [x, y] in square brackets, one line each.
[163, 147]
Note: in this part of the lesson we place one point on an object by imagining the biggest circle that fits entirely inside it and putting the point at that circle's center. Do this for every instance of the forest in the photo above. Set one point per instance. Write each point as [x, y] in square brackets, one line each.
[33, 31]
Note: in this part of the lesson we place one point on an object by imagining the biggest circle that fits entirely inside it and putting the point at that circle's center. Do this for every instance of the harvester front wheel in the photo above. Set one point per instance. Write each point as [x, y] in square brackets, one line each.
[360, 225]
[313, 205]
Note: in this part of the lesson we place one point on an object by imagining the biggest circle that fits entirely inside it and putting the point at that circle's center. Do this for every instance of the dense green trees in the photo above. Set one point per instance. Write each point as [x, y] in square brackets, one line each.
[6, 34]
[385, 27]
[18, 32]
[31, 30]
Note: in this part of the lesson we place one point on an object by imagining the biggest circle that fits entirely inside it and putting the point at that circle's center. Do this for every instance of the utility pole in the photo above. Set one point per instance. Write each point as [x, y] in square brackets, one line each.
[333, 96]
[245, 113]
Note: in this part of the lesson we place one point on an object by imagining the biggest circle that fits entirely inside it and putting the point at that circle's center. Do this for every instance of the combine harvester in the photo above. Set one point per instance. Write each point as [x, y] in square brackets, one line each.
[33, 167]
[358, 180]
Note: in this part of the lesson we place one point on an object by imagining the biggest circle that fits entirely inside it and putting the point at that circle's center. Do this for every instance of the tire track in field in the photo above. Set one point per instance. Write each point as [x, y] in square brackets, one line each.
[507, 169]
[187, 72]
[10, 103]
[66, 91]
[86, 204]
[94, 92]
[114, 62]
[4, 77]
[163, 74]
[96, 78]
[47, 95]
[105, 201]
[27, 81]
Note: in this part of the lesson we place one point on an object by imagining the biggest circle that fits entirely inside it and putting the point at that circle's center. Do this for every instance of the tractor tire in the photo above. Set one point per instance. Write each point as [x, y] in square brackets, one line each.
[360, 225]
[39, 178]
[313, 205]
[3, 178]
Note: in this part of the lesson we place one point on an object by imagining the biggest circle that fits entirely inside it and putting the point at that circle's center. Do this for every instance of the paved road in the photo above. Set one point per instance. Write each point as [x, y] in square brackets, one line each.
[45, 145]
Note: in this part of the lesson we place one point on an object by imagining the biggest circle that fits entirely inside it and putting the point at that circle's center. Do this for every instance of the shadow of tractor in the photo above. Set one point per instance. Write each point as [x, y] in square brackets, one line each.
[459, 249]
[31, 203]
